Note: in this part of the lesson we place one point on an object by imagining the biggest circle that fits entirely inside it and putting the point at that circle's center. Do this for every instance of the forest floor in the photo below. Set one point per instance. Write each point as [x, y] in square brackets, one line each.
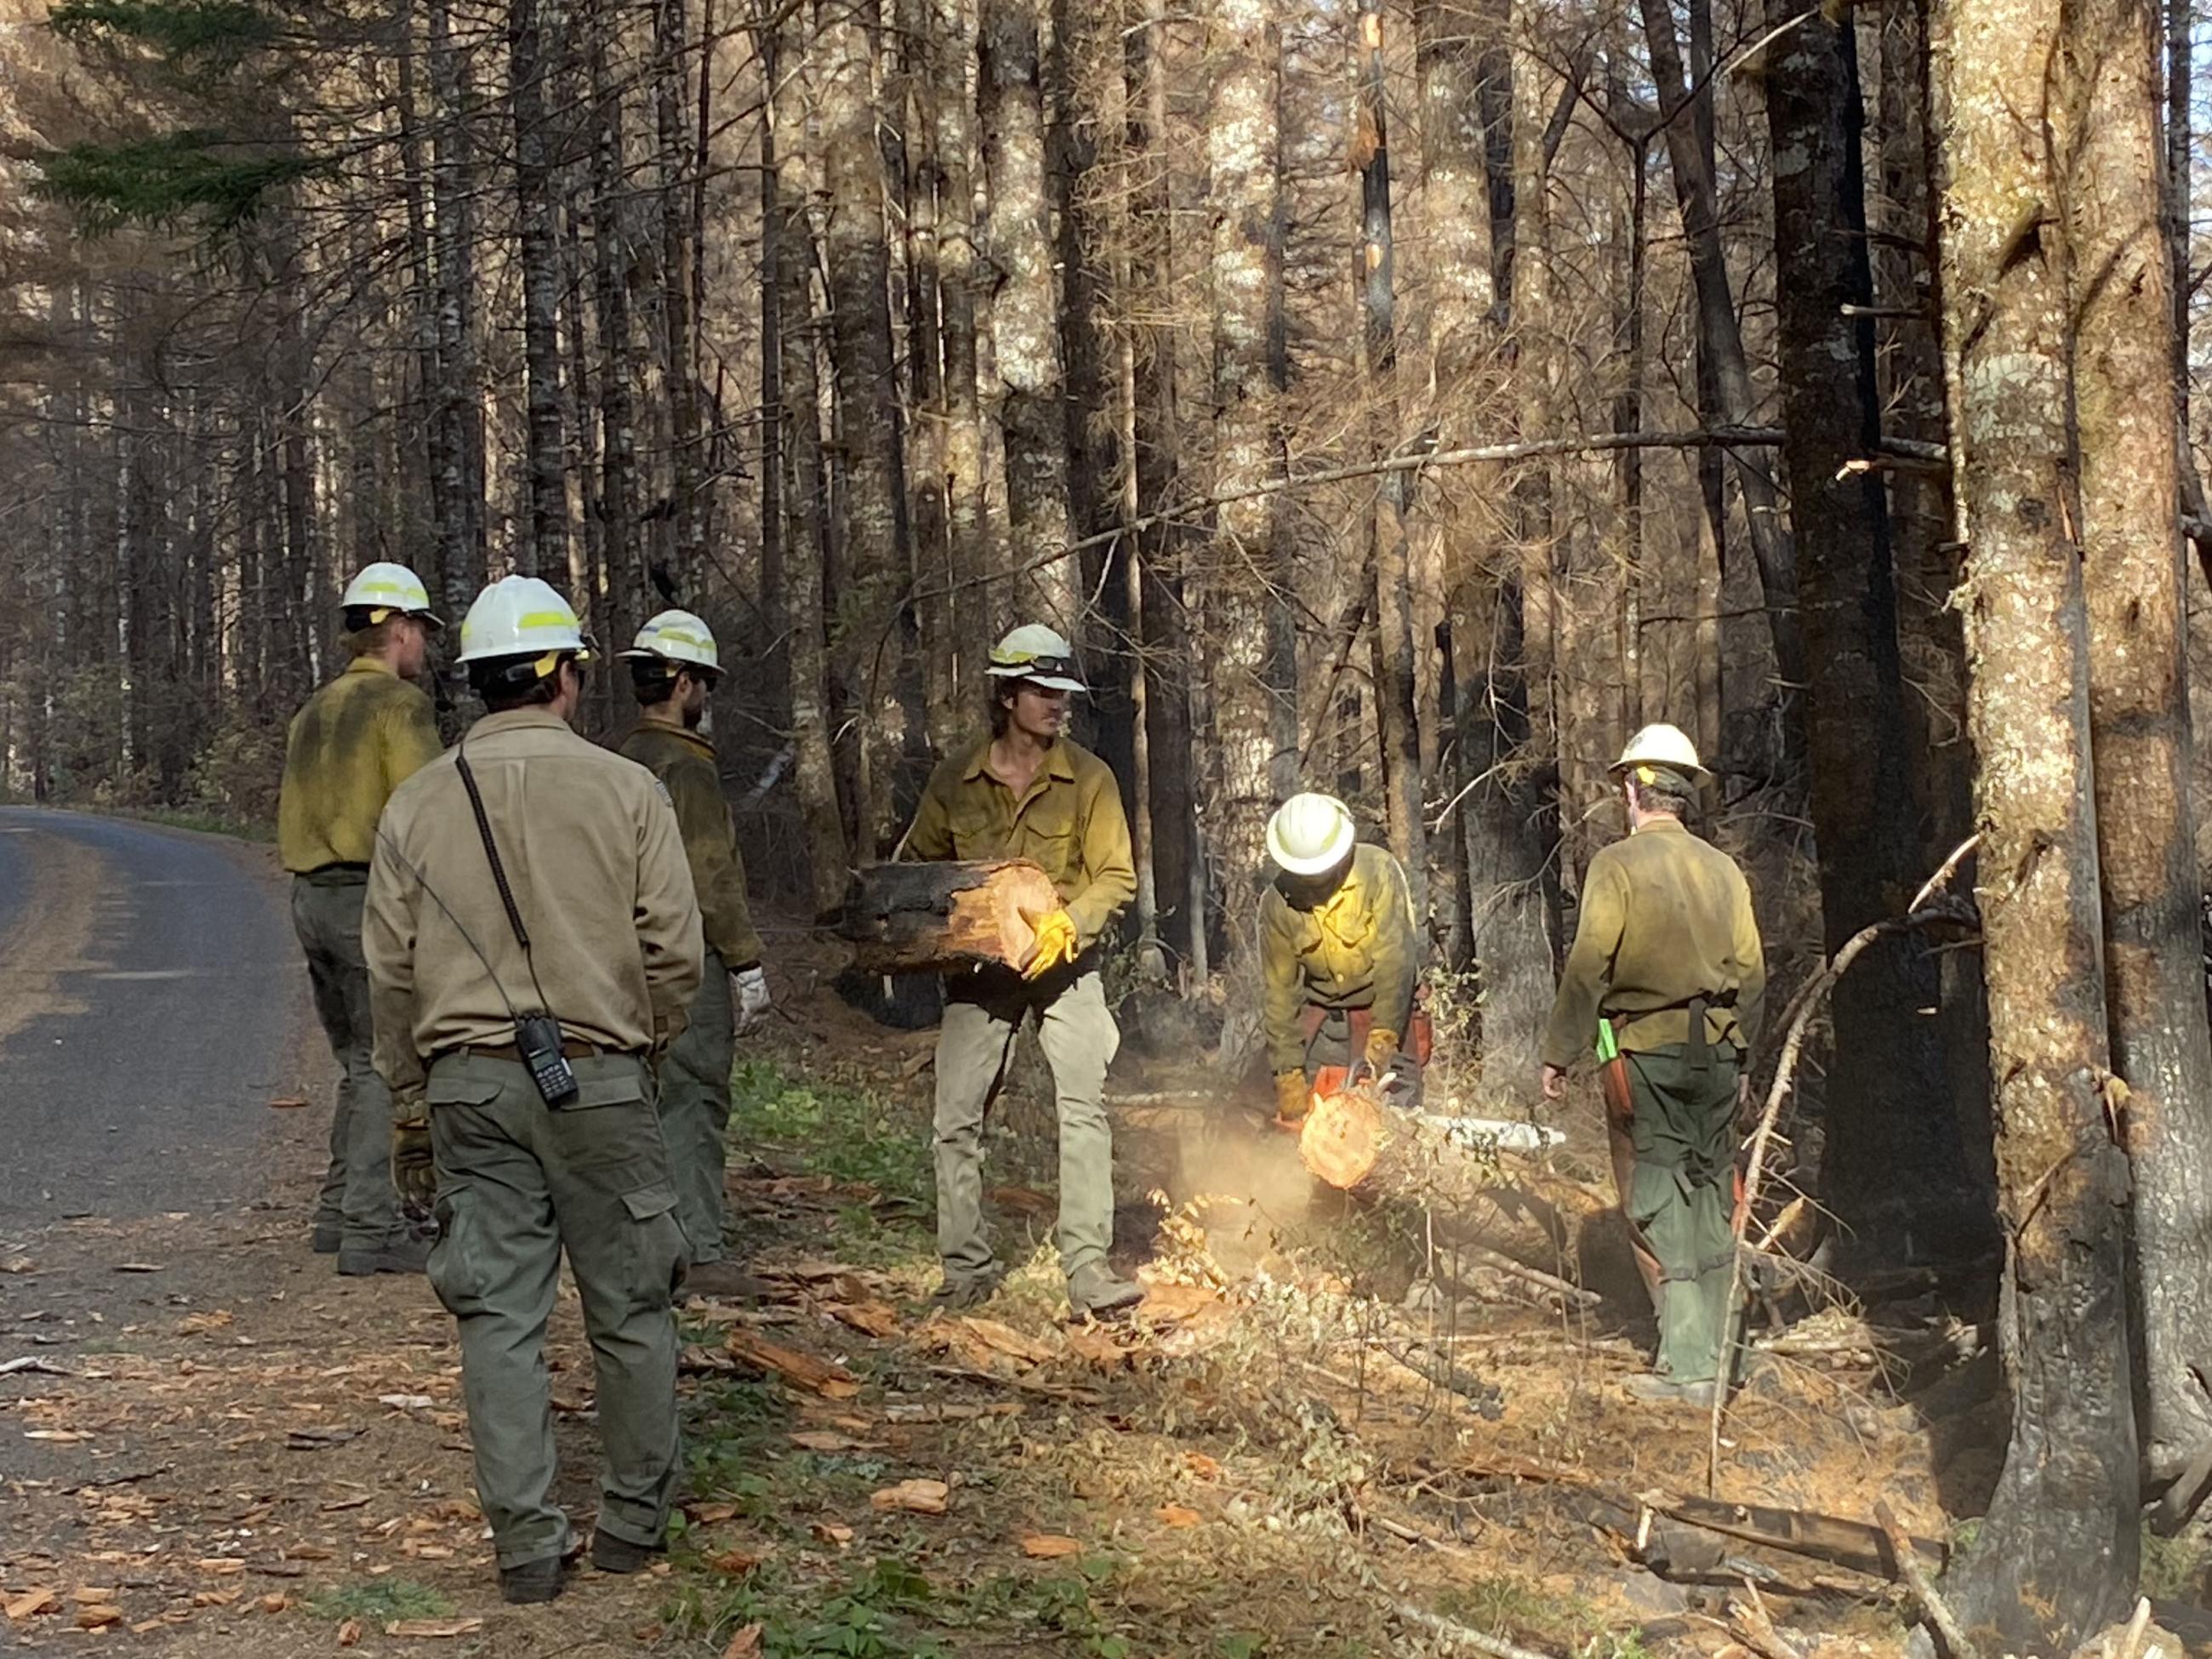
[1298, 1447]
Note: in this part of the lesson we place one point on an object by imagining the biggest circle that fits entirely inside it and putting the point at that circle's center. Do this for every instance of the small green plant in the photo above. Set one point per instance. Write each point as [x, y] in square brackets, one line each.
[2172, 1568]
[379, 1600]
[841, 1133]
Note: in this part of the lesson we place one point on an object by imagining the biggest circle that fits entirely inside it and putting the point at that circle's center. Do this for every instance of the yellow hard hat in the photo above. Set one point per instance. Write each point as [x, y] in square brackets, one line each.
[1662, 744]
[1310, 834]
[384, 589]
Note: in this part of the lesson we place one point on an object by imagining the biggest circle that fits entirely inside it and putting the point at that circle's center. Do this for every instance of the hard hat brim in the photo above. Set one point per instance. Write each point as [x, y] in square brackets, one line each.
[642, 653]
[1049, 681]
[1339, 844]
[1620, 769]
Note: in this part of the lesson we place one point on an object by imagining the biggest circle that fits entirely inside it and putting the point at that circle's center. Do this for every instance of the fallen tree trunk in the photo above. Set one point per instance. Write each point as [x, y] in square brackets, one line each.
[945, 917]
[1358, 1145]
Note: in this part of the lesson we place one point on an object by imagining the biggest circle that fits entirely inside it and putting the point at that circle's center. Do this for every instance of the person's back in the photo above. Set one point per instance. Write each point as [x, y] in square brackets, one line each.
[352, 743]
[568, 817]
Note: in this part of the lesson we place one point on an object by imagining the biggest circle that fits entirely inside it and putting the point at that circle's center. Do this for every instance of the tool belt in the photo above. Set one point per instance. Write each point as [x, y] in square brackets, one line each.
[1418, 1039]
[571, 1048]
[1697, 1047]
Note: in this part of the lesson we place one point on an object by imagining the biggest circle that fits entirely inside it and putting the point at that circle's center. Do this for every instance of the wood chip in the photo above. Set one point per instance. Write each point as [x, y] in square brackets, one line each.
[60, 1436]
[30, 1604]
[433, 1629]
[710, 1515]
[1005, 1339]
[350, 1633]
[287, 1103]
[147, 1627]
[913, 1497]
[1048, 1545]
[830, 1532]
[802, 1369]
[220, 1565]
[90, 1596]
[215, 1598]
[737, 1563]
[824, 1440]
[1178, 1515]
[337, 1503]
[97, 1617]
[275, 1603]
[140, 1268]
[320, 1439]
[876, 1319]
[743, 1643]
[1205, 1467]
[33, 1363]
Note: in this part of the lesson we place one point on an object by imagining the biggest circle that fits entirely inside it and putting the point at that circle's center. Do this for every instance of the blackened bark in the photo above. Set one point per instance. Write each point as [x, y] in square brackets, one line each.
[1894, 1169]
[545, 549]
[2134, 578]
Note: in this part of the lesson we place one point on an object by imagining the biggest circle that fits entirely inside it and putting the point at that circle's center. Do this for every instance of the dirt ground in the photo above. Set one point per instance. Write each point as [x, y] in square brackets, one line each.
[1303, 1445]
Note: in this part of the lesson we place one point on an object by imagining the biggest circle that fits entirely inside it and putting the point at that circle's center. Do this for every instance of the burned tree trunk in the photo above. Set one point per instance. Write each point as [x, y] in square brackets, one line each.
[1395, 676]
[2134, 578]
[905, 918]
[2057, 1555]
[545, 549]
[1894, 1169]
[1025, 312]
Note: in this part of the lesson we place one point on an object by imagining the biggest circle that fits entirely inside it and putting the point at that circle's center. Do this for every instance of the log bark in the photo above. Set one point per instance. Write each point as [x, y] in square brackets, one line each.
[943, 917]
[2059, 1553]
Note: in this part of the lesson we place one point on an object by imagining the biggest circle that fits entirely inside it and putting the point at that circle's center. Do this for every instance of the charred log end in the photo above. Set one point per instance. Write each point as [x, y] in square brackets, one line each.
[1342, 1138]
[904, 918]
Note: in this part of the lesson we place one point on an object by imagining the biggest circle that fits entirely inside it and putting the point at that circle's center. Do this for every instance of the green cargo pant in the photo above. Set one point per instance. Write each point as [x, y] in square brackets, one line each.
[1680, 1196]
[982, 1012]
[357, 1196]
[517, 1183]
[694, 1112]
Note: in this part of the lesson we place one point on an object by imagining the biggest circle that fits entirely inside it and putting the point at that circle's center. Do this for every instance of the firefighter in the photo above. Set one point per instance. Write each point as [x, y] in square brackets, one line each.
[1340, 956]
[1665, 976]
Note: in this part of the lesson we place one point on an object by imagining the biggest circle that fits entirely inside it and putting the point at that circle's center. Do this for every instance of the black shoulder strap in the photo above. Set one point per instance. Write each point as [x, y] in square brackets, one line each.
[490, 846]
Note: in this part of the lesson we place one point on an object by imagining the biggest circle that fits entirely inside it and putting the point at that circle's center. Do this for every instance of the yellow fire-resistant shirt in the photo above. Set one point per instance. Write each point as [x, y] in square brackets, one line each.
[592, 856]
[350, 745]
[1666, 917]
[1069, 821]
[1357, 948]
[684, 763]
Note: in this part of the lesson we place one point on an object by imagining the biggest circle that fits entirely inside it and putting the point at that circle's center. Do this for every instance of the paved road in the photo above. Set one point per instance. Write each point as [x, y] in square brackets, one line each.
[152, 1003]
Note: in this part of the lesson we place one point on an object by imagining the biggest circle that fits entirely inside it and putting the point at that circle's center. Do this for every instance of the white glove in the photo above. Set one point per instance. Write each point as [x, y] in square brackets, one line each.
[753, 998]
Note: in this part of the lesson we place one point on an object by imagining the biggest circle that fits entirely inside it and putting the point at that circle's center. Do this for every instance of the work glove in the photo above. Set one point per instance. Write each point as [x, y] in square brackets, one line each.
[1382, 1048]
[414, 1169]
[1055, 944]
[753, 999]
[1291, 1098]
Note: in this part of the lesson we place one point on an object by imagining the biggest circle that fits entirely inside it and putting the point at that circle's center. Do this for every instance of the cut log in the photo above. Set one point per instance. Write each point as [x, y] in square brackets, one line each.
[914, 918]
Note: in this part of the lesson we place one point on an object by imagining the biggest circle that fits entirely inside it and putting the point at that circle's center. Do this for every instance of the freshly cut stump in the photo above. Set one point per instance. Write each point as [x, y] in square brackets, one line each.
[945, 917]
[1342, 1138]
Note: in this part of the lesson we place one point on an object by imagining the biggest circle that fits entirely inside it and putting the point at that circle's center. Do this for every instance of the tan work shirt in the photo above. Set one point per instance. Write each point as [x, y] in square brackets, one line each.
[1666, 917]
[591, 854]
[1357, 948]
[350, 746]
[1069, 821]
[684, 763]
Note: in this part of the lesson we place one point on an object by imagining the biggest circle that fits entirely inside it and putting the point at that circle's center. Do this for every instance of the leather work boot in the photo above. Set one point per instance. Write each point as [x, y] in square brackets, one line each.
[1656, 1390]
[613, 1555]
[532, 1581]
[724, 1282]
[328, 1237]
[968, 1290]
[1095, 1291]
[397, 1255]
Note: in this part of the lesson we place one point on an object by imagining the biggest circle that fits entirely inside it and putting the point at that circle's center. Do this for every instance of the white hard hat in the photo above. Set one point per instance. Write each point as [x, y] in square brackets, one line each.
[384, 589]
[1310, 834]
[677, 636]
[1661, 745]
[520, 616]
[1037, 653]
